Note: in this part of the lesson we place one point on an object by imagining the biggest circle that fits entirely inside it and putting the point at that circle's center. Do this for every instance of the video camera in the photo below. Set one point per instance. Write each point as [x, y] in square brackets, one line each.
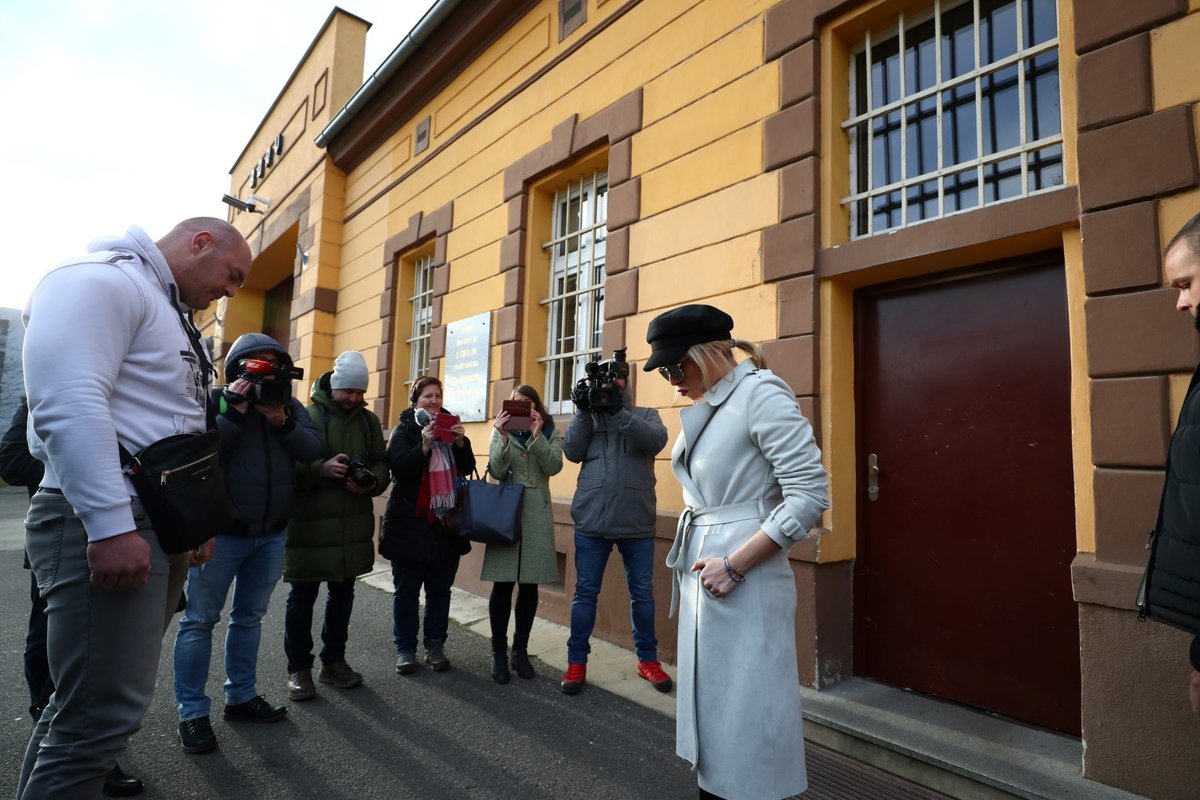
[267, 392]
[598, 391]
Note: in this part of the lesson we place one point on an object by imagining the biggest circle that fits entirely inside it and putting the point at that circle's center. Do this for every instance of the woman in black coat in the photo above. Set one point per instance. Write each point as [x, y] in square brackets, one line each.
[422, 552]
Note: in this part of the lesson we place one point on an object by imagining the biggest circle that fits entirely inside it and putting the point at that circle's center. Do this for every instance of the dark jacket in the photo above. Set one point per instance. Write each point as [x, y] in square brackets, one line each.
[614, 496]
[331, 536]
[259, 459]
[18, 467]
[407, 537]
[1173, 577]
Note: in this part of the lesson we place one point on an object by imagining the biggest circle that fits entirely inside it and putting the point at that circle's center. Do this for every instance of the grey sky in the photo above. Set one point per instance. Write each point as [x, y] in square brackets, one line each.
[127, 112]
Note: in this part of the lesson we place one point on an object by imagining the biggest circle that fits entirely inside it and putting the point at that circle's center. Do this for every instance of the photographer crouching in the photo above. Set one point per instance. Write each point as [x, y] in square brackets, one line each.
[614, 506]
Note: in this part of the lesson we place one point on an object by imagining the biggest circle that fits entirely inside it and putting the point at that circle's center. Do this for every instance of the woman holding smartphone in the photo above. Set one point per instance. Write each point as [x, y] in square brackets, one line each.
[423, 551]
[530, 450]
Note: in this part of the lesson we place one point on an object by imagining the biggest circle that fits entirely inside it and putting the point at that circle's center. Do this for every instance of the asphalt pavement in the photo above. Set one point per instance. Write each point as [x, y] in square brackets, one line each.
[454, 735]
[438, 736]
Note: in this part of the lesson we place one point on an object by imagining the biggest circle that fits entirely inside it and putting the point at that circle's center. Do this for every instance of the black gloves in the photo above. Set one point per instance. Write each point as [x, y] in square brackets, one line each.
[580, 396]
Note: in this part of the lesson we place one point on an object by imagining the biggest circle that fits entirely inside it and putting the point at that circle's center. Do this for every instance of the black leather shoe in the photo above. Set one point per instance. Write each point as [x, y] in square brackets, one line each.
[256, 709]
[196, 735]
[119, 784]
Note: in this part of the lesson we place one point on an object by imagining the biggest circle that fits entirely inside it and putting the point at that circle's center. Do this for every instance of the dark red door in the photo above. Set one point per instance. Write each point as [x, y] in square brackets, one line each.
[962, 579]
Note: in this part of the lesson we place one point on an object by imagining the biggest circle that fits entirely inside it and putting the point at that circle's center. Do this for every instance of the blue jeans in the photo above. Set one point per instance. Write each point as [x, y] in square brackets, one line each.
[408, 577]
[591, 556]
[335, 630]
[252, 565]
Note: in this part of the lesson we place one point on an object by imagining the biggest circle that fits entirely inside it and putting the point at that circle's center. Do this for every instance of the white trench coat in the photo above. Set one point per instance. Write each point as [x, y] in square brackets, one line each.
[747, 461]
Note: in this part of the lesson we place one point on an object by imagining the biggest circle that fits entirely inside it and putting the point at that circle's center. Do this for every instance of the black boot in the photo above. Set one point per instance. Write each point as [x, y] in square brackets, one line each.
[520, 657]
[500, 673]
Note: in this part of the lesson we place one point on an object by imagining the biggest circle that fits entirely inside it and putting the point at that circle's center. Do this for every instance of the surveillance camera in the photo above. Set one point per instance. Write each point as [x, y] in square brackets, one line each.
[240, 205]
[260, 200]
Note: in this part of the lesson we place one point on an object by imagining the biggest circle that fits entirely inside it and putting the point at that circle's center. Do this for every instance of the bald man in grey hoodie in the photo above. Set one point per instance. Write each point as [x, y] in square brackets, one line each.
[110, 356]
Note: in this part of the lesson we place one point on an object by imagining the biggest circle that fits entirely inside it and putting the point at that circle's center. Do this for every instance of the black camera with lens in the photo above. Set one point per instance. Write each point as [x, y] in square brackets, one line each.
[274, 392]
[359, 473]
[598, 391]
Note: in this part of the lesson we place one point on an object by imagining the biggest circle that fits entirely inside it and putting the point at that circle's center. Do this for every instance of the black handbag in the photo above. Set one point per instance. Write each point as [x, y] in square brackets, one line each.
[182, 487]
[491, 512]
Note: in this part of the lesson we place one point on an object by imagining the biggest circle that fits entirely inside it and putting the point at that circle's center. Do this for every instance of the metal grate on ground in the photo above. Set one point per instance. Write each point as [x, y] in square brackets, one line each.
[833, 776]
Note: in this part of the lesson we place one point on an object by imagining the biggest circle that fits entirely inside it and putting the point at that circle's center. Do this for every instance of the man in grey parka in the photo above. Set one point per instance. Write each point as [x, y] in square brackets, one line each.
[614, 505]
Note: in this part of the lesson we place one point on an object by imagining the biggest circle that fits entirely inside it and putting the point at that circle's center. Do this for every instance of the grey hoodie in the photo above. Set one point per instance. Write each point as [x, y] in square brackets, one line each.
[107, 358]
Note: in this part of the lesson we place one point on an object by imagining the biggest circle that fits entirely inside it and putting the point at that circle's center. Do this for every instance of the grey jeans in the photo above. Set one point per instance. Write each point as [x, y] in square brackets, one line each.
[103, 648]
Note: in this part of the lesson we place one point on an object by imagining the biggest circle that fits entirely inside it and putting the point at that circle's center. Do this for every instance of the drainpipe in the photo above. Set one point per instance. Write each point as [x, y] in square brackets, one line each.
[434, 17]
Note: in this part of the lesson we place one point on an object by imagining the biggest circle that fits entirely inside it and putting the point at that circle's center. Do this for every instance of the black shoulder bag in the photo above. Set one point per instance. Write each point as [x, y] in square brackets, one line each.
[180, 481]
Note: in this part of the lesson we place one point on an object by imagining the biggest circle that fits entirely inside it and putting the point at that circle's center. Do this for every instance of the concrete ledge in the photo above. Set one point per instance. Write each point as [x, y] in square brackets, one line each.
[1002, 756]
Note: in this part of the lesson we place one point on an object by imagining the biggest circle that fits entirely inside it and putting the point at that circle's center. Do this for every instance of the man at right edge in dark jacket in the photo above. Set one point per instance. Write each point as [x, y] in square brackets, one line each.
[1173, 578]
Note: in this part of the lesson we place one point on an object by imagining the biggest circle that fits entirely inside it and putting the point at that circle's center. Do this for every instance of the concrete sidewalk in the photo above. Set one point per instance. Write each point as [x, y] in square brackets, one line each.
[611, 668]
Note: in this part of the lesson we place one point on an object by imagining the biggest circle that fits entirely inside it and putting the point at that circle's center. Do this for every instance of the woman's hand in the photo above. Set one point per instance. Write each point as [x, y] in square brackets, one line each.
[715, 579]
[535, 422]
[427, 438]
[460, 435]
[501, 419]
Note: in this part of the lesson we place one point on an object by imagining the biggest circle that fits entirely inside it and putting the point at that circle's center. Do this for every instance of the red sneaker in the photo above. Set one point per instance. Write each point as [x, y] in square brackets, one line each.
[653, 672]
[576, 676]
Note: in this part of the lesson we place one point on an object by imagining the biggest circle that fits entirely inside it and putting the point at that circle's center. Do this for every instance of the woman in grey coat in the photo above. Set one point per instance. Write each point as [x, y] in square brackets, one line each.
[752, 484]
[530, 457]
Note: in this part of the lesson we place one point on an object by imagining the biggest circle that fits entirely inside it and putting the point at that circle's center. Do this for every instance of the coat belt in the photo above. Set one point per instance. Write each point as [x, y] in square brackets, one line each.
[698, 517]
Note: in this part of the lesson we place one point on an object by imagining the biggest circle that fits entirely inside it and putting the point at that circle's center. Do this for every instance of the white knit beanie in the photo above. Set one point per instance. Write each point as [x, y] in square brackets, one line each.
[349, 371]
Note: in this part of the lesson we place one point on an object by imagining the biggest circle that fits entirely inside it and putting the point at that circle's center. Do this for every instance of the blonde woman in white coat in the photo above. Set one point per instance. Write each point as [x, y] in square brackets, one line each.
[752, 484]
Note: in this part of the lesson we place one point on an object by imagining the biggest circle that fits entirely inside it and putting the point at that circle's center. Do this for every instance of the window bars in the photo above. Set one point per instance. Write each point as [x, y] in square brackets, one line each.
[575, 305]
[422, 318]
[969, 115]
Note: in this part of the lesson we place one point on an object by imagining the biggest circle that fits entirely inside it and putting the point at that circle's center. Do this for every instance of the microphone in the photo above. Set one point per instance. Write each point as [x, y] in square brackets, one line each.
[422, 417]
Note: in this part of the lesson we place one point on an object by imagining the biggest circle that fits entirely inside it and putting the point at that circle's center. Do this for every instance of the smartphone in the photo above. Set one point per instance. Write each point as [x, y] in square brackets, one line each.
[518, 415]
[442, 423]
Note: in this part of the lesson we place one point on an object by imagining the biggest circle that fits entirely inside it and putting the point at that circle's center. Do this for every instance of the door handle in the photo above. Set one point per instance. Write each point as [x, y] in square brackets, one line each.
[872, 477]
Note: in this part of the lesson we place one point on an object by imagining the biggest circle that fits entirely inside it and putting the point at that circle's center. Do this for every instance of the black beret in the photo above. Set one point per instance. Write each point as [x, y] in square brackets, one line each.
[672, 332]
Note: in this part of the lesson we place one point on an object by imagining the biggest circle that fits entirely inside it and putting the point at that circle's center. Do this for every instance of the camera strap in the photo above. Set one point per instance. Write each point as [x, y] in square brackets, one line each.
[362, 418]
[193, 334]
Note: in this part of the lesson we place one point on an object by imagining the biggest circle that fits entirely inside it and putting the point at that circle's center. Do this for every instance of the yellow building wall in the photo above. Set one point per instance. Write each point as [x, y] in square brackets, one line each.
[704, 202]
[298, 184]
[1172, 56]
[699, 153]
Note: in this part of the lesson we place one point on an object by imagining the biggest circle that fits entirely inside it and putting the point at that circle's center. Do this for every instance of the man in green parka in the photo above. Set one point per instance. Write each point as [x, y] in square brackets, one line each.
[331, 531]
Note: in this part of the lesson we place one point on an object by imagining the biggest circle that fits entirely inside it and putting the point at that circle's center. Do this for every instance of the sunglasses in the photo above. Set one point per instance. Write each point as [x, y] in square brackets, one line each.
[673, 372]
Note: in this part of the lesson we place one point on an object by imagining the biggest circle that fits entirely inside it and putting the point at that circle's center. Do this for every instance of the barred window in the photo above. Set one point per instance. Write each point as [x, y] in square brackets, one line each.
[969, 116]
[575, 307]
[422, 318]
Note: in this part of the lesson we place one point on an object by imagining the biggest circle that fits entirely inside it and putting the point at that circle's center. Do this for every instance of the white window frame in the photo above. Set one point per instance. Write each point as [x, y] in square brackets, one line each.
[421, 328]
[575, 305]
[977, 75]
